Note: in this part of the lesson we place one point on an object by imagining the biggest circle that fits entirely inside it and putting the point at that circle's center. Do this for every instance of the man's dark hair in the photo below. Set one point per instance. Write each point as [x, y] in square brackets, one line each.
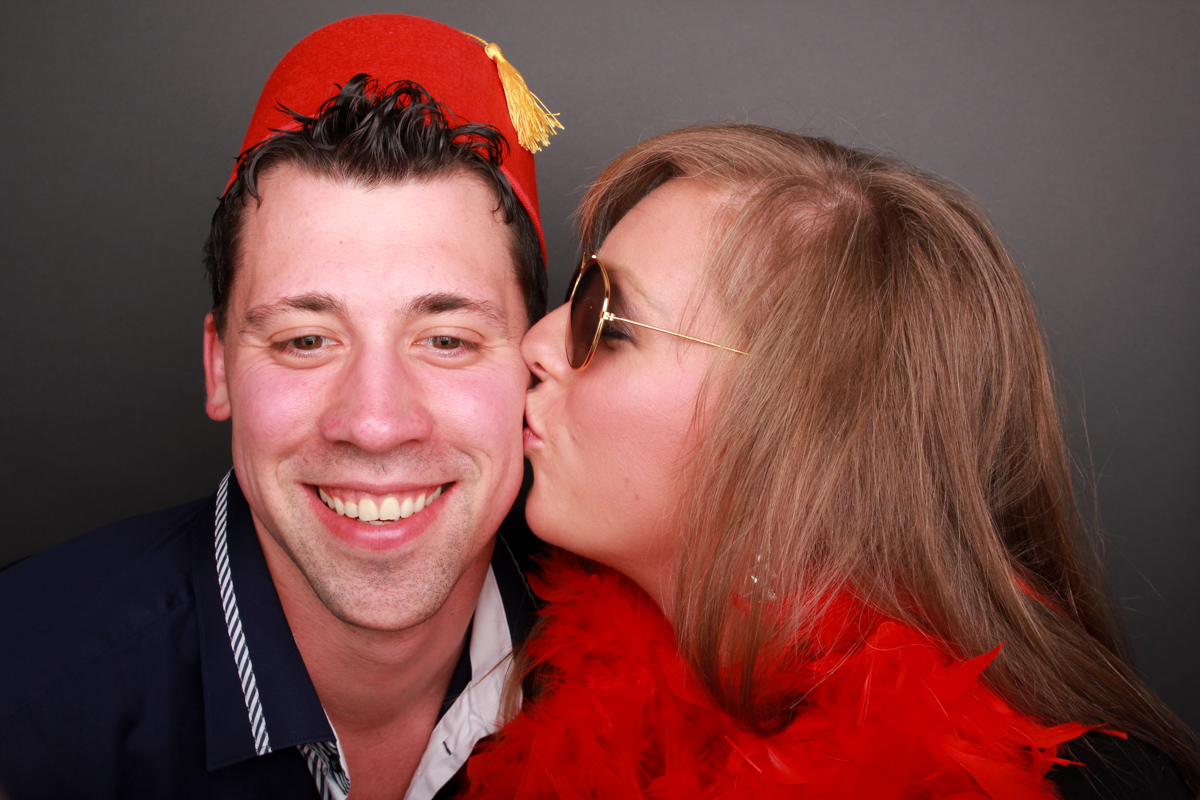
[371, 136]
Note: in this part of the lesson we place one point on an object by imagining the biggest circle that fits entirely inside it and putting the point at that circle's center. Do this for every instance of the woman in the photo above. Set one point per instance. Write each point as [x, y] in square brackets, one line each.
[814, 427]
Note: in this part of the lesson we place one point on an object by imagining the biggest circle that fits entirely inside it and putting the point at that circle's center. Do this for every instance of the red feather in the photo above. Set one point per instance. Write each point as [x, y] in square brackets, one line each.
[890, 715]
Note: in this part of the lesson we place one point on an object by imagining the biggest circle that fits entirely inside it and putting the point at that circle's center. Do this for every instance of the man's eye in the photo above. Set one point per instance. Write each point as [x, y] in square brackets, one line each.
[446, 342]
[310, 342]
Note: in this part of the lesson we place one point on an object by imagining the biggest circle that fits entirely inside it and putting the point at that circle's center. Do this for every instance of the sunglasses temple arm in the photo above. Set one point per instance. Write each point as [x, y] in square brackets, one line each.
[610, 316]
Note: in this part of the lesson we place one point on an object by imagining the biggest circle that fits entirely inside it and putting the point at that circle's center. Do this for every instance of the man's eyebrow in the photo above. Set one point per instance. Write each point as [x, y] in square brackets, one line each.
[442, 302]
[259, 316]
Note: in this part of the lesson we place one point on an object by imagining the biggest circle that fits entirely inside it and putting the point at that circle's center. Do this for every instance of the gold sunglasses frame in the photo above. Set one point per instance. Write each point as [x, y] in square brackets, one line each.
[608, 316]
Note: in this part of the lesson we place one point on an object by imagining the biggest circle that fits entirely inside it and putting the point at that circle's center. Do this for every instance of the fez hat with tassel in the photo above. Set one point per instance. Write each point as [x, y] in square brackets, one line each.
[466, 74]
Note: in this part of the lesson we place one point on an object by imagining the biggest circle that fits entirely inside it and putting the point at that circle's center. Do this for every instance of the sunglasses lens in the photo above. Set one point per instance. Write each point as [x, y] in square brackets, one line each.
[586, 306]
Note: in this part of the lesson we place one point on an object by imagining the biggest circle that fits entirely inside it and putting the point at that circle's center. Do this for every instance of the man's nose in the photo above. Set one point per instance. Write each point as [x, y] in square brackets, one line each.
[378, 403]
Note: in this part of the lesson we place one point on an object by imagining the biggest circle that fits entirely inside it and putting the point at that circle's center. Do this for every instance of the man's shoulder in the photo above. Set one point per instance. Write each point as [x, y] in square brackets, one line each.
[60, 607]
[88, 562]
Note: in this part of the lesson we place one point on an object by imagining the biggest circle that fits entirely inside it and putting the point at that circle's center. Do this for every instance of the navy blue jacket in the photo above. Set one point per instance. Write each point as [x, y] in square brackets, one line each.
[117, 677]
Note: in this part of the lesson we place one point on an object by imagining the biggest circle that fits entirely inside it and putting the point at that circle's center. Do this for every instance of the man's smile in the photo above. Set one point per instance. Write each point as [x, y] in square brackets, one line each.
[378, 509]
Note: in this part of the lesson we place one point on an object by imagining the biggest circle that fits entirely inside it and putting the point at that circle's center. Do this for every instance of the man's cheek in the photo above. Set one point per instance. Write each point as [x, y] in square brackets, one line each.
[270, 407]
[497, 395]
[483, 413]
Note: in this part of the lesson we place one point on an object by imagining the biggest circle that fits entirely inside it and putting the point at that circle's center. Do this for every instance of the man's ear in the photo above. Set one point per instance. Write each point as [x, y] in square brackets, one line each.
[217, 404]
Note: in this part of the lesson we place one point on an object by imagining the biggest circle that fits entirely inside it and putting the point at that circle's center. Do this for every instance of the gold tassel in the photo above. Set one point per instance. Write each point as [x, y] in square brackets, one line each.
[534, 122]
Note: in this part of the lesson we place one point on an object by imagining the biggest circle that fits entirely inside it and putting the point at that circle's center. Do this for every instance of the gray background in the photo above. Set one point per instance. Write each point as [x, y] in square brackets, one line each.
[1073, 123]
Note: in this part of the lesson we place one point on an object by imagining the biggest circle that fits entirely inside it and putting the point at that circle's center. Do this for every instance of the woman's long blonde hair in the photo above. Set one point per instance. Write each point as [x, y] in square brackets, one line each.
[894, 436]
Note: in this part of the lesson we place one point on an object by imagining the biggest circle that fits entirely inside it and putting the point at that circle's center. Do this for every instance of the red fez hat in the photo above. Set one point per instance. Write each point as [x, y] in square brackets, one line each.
[465, 74]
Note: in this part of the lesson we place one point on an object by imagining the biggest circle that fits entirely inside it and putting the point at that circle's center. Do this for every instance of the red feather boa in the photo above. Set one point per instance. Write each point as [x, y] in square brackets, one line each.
[896, 717]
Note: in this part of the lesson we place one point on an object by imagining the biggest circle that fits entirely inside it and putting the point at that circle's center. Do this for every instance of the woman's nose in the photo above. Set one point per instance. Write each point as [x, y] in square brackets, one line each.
[544, 347]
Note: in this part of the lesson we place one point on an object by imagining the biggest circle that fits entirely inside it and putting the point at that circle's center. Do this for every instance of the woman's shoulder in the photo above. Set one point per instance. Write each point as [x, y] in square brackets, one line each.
[1114, 768]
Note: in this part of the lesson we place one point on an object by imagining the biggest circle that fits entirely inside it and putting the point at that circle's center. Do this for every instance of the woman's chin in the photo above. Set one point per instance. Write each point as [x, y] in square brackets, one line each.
[544, 517]
[555, 523]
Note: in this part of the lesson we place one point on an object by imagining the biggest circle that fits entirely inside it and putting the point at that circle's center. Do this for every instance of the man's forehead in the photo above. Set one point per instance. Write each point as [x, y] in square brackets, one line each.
[292, 191]
[313, 235]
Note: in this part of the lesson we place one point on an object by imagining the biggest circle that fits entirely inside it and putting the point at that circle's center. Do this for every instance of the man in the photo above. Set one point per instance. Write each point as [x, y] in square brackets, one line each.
[337, 618]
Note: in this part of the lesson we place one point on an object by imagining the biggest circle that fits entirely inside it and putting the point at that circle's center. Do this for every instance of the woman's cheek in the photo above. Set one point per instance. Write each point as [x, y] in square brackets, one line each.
[627, 447]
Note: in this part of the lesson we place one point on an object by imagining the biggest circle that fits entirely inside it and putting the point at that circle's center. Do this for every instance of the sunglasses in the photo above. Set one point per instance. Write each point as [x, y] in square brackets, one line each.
[589, 299]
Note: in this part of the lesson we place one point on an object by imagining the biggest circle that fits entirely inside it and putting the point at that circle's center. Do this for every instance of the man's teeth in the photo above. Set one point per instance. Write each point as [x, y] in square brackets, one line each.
[387, 510]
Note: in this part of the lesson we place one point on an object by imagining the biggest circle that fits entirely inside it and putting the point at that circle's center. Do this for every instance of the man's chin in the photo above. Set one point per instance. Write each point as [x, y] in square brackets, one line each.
[380, 578]
[381, 620]
[386, 597]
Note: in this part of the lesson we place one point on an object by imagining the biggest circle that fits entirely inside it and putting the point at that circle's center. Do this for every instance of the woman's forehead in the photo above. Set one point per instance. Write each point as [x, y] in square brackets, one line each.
[684, 218]
[662, 240]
